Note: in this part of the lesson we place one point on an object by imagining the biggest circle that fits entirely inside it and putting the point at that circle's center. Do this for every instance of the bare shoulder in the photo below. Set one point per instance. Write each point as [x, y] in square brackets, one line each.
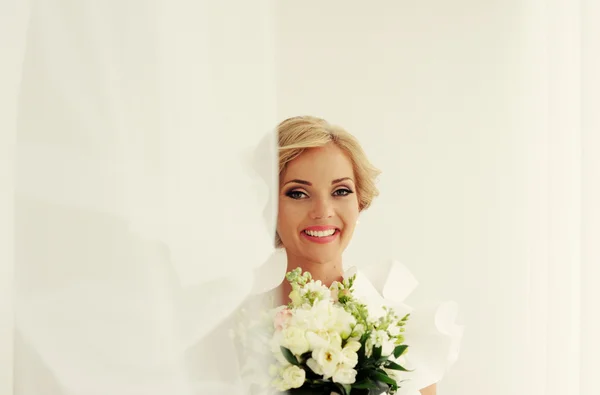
[431, 390]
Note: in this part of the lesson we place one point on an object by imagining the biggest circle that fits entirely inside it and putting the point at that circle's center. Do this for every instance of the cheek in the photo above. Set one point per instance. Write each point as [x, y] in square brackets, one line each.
[287, 220]
[349, 213]
[350, 209]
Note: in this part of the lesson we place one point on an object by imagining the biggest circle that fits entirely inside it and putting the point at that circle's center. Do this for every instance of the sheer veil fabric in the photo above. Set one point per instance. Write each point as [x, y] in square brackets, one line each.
[136, 151]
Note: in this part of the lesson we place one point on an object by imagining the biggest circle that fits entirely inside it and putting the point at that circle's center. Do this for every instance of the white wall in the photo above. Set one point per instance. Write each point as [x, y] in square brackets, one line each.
[13, 17]
[432, 90]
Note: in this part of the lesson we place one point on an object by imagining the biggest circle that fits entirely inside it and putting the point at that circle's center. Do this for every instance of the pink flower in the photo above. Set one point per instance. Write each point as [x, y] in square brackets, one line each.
[282, 318]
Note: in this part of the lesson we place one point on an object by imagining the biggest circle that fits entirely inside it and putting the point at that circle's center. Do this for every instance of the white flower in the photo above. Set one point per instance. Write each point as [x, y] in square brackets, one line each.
[318, 289]
[314, 366]
[344, 375]
[324, 339]
[358, 331]
[275, 345]
[328, 358]
[293, 377]
[315, 318]
[324, 316]
[349, 354]
[342, 322]
[349, 358]
[387, 348]
[296, 298]
[294, 339]
[279, 385]
[379, 338]
[352, 345]
[334, 290]
[369, 347]
[394, 330]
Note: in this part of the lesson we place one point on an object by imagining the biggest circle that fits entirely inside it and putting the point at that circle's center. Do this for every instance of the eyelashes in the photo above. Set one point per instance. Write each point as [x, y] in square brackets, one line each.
[342, 192]
[297, 195]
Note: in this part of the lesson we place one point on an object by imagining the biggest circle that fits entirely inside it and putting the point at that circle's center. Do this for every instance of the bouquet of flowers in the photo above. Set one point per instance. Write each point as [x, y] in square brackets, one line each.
[324, 342]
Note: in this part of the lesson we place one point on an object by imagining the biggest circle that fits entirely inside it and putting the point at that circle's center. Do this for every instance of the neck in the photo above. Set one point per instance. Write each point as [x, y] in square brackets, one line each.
[326, 272]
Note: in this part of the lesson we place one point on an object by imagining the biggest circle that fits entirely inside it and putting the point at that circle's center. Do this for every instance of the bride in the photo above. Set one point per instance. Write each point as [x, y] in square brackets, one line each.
[121, 323]
[325, 182]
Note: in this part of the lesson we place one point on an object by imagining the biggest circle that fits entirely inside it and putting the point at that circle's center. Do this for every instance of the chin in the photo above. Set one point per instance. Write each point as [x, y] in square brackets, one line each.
[324, 257]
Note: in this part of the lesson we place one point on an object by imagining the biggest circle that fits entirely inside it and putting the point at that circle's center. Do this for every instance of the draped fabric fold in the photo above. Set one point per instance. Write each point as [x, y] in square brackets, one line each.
[145, 168]
[563, 174]
[14, 18]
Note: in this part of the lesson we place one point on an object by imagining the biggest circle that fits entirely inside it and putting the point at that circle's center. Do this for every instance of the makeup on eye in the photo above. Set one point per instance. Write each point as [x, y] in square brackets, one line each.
[295, 194]
[346, 191]
[298, 194]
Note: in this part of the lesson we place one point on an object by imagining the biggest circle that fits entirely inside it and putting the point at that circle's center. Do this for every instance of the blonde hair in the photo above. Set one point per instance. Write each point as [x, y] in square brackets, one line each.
[297, 134]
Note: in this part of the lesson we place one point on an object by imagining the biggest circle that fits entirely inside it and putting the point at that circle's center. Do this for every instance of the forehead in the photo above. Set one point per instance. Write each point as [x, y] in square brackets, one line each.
[324, 163]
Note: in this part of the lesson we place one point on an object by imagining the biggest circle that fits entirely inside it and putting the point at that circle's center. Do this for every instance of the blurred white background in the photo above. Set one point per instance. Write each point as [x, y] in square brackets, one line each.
[435, 92]
[481, 115]
[476, 113]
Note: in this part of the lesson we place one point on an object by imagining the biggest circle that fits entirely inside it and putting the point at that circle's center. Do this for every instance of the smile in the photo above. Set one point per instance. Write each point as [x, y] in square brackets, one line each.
[321, 234]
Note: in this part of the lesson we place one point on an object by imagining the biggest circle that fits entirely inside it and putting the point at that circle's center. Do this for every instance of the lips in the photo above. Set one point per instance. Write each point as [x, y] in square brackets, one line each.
[321, 234]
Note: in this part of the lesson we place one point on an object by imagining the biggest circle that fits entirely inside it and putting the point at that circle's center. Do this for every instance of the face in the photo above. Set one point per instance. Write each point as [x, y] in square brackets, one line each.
[318, 205]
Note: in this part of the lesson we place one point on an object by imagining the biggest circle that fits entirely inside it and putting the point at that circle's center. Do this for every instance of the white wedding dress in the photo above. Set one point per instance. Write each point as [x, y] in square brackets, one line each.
[432, 333]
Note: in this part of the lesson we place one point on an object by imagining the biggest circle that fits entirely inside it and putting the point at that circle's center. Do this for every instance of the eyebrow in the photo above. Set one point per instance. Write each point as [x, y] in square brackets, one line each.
[303, 182]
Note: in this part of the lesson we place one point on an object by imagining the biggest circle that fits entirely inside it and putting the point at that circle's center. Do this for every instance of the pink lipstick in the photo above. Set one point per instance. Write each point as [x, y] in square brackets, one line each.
[321, 234]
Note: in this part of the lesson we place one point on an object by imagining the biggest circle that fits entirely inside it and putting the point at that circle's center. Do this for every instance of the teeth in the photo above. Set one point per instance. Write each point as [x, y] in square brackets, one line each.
[320, 233]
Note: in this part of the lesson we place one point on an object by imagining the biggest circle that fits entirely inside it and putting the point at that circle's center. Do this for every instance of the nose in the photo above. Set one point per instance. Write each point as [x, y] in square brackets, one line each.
[322, 208]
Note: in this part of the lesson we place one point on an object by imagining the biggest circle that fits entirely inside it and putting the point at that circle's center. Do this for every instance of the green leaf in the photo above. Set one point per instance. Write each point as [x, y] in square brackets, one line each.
[364, 337]
[364, 384]
[289, 356]
[376, 353]
[395, 366]
[399, 350]
[383, 378]
[342, 388]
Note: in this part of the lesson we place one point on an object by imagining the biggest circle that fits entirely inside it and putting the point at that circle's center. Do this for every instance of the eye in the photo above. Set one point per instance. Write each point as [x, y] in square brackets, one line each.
[296, 194]
[342, 192]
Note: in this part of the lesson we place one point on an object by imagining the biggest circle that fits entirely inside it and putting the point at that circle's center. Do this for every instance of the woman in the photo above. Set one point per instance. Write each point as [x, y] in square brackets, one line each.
[326, 181]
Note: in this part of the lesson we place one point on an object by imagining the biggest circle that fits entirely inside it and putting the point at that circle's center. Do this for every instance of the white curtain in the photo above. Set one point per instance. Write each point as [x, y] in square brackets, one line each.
[13, 23]
[590, 206]
[563, 192]
[144, 169]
